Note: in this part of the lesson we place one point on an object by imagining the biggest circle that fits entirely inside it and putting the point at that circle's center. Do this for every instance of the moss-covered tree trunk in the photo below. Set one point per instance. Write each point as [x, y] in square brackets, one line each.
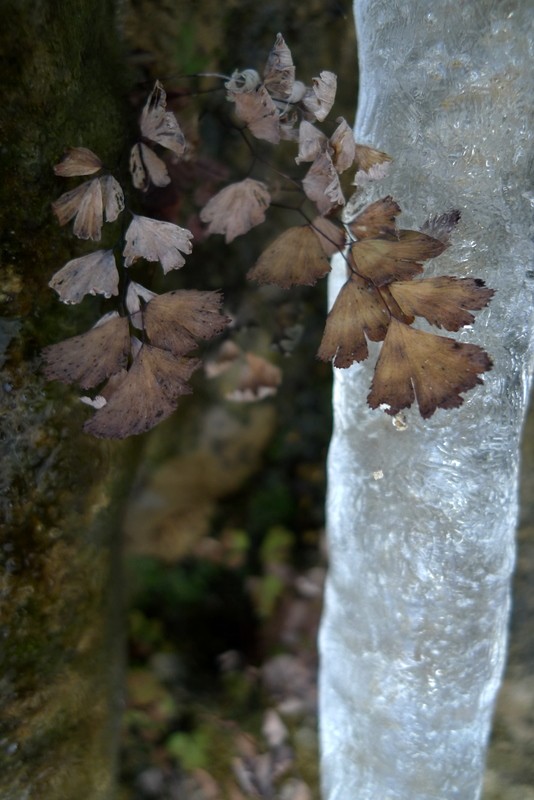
[62, 79]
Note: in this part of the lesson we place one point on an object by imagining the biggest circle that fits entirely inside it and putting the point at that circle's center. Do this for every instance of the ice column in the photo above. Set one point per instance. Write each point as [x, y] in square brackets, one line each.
[421, 515]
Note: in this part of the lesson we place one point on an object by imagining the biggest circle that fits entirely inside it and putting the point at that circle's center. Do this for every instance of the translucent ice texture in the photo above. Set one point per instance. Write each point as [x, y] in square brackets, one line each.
[422, 519]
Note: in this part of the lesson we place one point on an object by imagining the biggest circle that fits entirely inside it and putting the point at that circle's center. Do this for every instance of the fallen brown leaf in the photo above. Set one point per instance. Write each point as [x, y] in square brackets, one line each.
[320, 98]
[148, 393]
[236, 209]
[321, 184]
[257, 109]
[296, 257]
[434, 370]
[384, 260]
[279, 72]
[92, 357]
[95, 273]
[78, 161]
[443, 301]
[175, 320]
[358, 313]
[376, 220]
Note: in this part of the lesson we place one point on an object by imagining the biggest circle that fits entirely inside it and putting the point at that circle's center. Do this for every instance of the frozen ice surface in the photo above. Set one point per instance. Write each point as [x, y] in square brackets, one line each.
[422, 516]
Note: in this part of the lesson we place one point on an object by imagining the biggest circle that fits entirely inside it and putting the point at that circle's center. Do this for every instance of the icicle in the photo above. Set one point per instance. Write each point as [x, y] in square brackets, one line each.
[422, 514]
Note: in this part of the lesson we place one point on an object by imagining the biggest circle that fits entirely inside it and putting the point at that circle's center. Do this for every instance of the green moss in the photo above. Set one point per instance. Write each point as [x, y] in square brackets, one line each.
[64, 84]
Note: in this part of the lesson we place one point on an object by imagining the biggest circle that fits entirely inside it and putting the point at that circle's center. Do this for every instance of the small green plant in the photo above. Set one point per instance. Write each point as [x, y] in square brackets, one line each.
[134, 358]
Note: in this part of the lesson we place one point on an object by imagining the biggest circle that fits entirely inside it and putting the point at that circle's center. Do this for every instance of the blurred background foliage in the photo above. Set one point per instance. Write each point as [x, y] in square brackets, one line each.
[225, 526]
